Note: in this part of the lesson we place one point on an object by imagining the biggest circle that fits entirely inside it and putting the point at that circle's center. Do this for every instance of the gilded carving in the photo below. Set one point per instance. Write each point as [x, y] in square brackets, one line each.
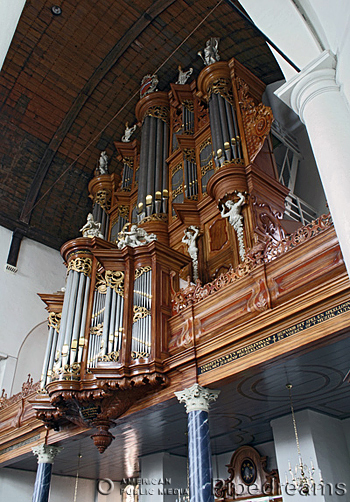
[158, 112]
[115, 280]
[207, 167]
[111, 357]
[188, 104]
[222, 86]
[68, 372]
[103, 199]
[177, 192]
[54, 321]
[190, 154]
[81, 265]
[142, 270]
[257, 120]
[100, 284]
[176, 168]
[205, 143]
[140, 313]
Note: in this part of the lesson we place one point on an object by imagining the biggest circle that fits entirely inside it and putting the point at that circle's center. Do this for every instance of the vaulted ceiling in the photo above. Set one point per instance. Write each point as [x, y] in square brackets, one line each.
[70, 82]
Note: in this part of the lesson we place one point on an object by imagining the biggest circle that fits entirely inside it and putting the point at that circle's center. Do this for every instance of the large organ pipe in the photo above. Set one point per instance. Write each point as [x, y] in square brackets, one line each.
[70, 319]
[48, 352]
[224, 126]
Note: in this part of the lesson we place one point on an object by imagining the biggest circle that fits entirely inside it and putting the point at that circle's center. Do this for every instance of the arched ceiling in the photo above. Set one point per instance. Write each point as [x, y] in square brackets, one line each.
[65, 78]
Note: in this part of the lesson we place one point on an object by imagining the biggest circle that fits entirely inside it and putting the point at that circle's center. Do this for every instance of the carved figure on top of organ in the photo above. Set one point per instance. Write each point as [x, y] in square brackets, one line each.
[103, 163]
[148, 85]
[236, 219]
[91, 228]
[183, 75]
[136, 236]
[128, 132]
[210, 52]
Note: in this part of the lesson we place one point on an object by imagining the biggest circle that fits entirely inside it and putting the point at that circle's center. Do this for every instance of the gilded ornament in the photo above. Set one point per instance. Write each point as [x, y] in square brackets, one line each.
[140, 313]
[206, 168]
[111, 357]
[203, 145]
[158, 112]
[100, 284]
[223, 87]
[190, 154]
[175, 193]
[103, 199]
[155, 217]
[142, 270]
[68, 372]
[176, 168]
[54, 321]
[81, 265]
[115, 280]
[188, 104]
[139, 355]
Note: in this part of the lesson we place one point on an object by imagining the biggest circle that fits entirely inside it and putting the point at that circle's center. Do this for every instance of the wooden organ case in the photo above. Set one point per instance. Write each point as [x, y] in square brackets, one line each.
[204, 162]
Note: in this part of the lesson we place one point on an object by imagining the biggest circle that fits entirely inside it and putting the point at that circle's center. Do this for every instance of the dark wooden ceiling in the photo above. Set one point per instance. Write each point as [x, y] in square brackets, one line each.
[66, 77]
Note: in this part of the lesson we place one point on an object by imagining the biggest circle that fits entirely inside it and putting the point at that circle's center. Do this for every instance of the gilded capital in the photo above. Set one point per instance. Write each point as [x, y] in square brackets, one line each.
[46, 453]
[197, 397]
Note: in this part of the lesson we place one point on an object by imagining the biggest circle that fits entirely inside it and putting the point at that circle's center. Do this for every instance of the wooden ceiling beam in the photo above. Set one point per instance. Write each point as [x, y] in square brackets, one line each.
[110, 60]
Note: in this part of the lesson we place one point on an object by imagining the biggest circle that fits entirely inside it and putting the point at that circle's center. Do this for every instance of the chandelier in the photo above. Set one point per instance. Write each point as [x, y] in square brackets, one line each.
[302, 476]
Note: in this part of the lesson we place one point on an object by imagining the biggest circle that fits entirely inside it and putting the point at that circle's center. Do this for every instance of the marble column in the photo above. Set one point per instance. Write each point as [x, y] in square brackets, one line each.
[46, 455]
[316, 96]
[197, 400]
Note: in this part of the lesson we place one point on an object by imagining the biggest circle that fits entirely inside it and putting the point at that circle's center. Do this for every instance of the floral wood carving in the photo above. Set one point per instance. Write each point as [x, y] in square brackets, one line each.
[268, 221]
[257, 120]
[259, 255]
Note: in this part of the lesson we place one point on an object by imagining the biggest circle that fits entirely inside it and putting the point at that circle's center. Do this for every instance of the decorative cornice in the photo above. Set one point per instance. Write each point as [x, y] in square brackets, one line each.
[316, 78]
[46, 453]
[197, 398]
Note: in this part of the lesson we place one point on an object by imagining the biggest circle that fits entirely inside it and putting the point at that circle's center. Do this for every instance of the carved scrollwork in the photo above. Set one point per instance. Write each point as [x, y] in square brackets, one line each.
[100, 284]
[115, 280]
[103, 199]
[142, 270]
[190, 154]
[257, 120]
[111, 357]
[81, 265]
[203, 114]
[140, 313]
[54, 321]
[222, 86]
[158, 112]
[68, 372]
[139, 355]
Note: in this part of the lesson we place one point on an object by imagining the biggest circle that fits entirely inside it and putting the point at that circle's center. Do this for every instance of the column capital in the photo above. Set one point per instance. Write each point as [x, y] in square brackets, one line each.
[316, 78]
[197, 397]
[46, 453]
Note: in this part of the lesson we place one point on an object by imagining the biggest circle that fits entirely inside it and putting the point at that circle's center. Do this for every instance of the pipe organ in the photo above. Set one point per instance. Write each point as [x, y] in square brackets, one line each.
[204, 162]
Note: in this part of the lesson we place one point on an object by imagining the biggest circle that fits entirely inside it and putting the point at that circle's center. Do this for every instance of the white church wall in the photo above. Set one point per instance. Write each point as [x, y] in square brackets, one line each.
[10, 12]
[40, 270]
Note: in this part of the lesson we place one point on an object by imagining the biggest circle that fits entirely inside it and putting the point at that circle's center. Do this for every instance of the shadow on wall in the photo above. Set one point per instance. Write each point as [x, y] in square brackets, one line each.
[30, 357]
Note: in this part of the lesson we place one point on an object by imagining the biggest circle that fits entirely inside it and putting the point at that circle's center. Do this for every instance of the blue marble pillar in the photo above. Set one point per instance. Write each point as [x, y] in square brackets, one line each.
[197, 400]
[42, 483]
[199, 457]
[46, 454]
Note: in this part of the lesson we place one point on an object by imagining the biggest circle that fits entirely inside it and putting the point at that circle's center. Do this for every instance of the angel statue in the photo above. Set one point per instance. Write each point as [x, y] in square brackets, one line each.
[211, 52]
[183, 75]
[128, 132]
[189, 238]
[91, 228]
[134, 237]
[103, 163]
